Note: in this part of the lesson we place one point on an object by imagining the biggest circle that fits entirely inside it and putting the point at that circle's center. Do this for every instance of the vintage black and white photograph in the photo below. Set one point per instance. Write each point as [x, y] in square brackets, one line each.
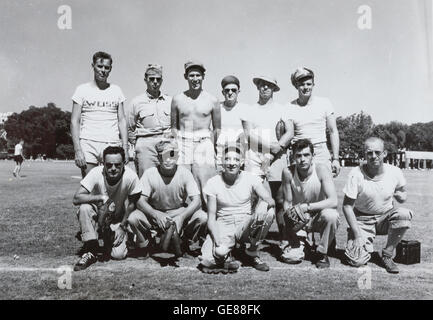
[230, 150]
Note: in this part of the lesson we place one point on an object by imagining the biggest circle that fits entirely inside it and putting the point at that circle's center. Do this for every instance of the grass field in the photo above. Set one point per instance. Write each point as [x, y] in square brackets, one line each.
[37, 235]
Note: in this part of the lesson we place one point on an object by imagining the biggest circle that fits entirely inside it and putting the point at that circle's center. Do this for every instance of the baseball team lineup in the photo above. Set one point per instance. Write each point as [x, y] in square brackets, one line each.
[211, 177]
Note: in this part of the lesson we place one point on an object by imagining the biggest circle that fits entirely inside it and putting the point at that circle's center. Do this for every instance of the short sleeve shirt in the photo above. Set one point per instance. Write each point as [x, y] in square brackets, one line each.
[128, 185]
[18, 149]
[169, 196]
[235, 199]
[99, 121]
[310, 120]
[231, 124]
[374, 196]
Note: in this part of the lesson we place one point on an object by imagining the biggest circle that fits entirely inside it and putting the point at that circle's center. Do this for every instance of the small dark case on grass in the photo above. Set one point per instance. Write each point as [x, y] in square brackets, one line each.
[408, 252]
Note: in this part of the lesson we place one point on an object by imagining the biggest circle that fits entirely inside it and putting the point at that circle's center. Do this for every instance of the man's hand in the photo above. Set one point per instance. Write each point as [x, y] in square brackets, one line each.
[103, 198]
[275, 148]
[161, 220]
[400, 196]
[119, 236]
[80, 161]
[126, 155]
[335, 167]
[271, 202]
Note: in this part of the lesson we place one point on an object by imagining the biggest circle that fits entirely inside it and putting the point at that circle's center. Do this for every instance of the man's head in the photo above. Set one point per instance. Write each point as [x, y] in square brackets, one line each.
[168, 153]
[230, 88]
[102, 65]
[233, 158]
[21, 141]
[375, 153]
[266, 87]
[153, 77]
[114, 162]
[303, 80]
[194, 74]
[303, 152]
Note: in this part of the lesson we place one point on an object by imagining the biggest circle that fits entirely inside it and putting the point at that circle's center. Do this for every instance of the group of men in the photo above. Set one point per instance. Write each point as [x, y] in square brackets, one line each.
[216, 175]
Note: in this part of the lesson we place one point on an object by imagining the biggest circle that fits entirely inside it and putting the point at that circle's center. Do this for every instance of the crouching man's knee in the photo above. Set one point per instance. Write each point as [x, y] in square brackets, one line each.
[330, 216]
[120, 252]
[401, 218]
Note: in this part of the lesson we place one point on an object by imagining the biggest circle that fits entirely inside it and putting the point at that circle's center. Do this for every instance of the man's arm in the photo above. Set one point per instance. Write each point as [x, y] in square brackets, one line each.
[83, 196]
[174, 117]
[400, 194]
[80, 161]
[287, 189]
[132, 204]
[348, 205]
[123, 130]
[211, 220]
[288, 135]
[328, 187]
[256, 142]
[264, 194]
[331, 124]
[158, 217]
[132, 118]
[216, 121]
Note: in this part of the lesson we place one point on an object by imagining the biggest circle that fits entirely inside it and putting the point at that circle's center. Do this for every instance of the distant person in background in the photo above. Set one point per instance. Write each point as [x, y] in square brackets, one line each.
[149, 119]
[231, 113]
[98, 118]
[312, 116]
[19, 158]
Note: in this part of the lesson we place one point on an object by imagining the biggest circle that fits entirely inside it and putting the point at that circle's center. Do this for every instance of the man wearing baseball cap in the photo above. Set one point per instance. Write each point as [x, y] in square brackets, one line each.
[266, 154]
[231, 113]
[166, 191]
[312, 115]
[149, 119]
[193, 112]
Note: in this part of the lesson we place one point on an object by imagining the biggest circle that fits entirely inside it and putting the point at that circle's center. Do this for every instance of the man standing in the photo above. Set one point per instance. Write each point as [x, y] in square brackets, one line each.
[166, 190]
[19, 158]
[231, 113]
[192, 113]
[101, 197]
[311, 116]
[149, 119]
[266, 155]
[369, 208]
[230, 219]
[309, 186]
[98, 117]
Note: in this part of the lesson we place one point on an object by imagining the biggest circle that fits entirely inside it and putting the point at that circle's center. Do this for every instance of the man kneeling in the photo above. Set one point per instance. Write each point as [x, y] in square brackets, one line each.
[310, 187]
[101, 196]
[166, 189]
[369, 209]
[230, 220]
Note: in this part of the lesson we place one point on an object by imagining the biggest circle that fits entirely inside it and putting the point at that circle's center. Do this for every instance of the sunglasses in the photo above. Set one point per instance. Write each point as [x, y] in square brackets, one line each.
[234, 90]
[151, 79]
[375, 153]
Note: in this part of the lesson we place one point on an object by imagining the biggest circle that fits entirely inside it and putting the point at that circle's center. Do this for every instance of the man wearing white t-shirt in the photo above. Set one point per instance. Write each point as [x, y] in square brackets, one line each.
[106, 186]
[369, 207]
[98, 118]
[230, 218]
[19, 158]
[311, 116]
[231, 113]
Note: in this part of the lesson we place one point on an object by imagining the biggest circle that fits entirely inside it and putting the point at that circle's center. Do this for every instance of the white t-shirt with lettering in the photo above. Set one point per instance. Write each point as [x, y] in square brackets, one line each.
[374, 196]
[235, 199]
[99, 120]
[310, 120]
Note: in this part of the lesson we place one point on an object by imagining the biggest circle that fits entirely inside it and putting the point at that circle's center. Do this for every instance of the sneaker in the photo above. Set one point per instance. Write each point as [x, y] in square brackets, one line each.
[226, 267]
[293, 255]
[389, 264]
[85, 261]
[322, 261]
[139, 253]
[257, 263]
[14, 174]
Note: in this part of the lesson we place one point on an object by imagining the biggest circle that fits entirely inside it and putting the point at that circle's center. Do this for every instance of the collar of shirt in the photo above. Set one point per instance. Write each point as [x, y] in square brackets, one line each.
[161, 96]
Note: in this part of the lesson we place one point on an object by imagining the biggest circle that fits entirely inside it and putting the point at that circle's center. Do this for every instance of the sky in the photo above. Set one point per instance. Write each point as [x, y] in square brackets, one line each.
[385, 71]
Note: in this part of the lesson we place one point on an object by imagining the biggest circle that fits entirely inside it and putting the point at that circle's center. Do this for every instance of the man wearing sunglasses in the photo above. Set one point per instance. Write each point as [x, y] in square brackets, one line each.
[149, 119]
[170, 194]
[98, 118]
[312, 116]
[231, 113]
[106, 186]
[370, 209]
[193, 113]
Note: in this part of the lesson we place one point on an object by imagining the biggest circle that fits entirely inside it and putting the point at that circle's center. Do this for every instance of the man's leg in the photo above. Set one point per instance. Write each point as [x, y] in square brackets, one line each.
[395, 226]
[195, 228]
[141, 227]
[326, 223]
[145, 154]
[87, 219]
[120, 251]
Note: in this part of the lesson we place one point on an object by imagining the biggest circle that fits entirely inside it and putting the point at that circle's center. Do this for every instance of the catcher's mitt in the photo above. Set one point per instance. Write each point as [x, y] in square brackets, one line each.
[356, 256]
[296, 218]
[171, 236]
[105, 216]
[280, 129]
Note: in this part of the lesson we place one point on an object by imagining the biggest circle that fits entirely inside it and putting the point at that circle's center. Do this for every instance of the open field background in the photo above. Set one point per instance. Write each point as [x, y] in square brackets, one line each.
[38, 223]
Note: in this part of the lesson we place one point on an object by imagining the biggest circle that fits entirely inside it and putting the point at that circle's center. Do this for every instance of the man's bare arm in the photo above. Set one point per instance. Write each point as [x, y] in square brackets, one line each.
[216, 121]
[331, 124]
[264, 195]
[123, 130]
[174, 115]
[131, 119]
[287, 189]
[331, 200]
[211, 220]
[288, 135]
[348, 205]
[192, 207]
[158, 217]
[83, 196]
[80, 161]
[132, 205]
[400, 194]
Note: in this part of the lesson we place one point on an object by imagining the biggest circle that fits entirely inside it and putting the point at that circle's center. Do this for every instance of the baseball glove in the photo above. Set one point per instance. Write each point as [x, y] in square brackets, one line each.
[356, 256]
[105, 216]
[296, 218]
[280, 129]
[171, 236]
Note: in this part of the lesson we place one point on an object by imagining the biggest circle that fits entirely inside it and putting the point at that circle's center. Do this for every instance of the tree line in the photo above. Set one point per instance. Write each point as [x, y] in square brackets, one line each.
[46, 130]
